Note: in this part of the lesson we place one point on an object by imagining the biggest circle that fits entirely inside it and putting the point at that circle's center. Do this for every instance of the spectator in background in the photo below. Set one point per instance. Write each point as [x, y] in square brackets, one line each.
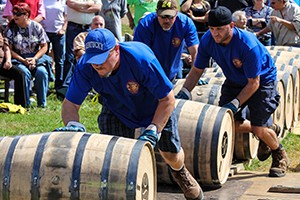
[140, 7]
[55, 26]
[79, 16]
[258, 17]
[240, 20]
[197, 10]
[234, 5]
[28, 45]
[166, 32]
[79, 49]
[37, 8]
[12, 72]
[284, 23]
[113, 12]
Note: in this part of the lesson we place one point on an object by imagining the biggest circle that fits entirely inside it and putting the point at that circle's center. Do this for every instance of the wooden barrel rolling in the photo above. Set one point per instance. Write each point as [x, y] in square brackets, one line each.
[75, 165]
[278, 115]
[245, 146]
[207, 138]
[295, 72]
[287, 97]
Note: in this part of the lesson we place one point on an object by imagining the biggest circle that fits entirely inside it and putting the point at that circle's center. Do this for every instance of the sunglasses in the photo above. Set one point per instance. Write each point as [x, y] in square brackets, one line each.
[272, 3]
[167, 16]
[18, 14]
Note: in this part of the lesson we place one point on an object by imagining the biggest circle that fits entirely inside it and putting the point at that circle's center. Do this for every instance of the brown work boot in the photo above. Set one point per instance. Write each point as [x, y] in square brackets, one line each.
[280, 163]
[188, 185]
[264, 151]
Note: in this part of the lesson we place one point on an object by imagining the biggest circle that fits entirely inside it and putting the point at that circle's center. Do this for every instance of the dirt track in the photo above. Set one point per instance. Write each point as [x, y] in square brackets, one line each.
[244, 185]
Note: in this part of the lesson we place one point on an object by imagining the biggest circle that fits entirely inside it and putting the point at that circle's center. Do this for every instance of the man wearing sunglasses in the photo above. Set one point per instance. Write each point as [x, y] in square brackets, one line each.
[284, 23]
[166, 31]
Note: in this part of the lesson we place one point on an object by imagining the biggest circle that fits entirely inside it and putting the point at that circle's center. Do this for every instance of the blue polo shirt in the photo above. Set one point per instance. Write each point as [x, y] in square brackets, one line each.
[132, 93]
[167, 45]
[244, 57]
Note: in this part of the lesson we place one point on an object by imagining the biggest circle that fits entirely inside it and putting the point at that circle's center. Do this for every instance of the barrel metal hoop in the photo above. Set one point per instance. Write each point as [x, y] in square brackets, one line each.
[106, 168]
[214, 144]
[75, 180]
[35, 178]
[213, 94]
[197, 141]
[132, 170]
[7, 167]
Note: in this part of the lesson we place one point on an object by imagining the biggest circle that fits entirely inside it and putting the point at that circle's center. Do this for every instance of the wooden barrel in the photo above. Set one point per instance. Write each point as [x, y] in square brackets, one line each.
[245, 146]
[285, 54]
[207, 138]
[286, 60]
[278, 115]
[75, 165]
[287, 97]
[295, 72]
[284, 48]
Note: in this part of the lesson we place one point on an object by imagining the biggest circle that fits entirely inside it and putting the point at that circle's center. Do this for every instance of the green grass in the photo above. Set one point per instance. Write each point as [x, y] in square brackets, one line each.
[39, 120]
[292, 145]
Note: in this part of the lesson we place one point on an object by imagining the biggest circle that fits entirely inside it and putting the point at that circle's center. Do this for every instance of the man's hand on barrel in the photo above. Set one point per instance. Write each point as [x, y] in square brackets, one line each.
[233, 105]
[183, 94]
[150, 134]
[72, 126]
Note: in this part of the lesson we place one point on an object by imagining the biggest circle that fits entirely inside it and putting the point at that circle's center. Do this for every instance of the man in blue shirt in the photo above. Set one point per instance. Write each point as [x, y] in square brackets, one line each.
[250, 81]
[136, 93]
[166, 31]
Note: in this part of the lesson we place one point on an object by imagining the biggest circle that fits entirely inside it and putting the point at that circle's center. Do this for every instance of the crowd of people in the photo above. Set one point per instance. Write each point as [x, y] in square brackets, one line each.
[134, 79]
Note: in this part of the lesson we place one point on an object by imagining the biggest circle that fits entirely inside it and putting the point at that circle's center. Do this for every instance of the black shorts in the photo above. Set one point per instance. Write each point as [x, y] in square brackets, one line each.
[258, 108]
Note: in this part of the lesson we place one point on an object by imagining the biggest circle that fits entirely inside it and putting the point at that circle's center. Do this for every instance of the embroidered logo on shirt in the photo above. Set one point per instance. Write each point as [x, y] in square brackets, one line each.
[176, 42]
[133, 87]
[237, 63]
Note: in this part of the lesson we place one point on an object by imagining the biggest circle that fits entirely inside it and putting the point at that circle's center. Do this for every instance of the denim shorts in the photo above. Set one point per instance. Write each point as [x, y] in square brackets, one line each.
[258, 108]
[169, 141]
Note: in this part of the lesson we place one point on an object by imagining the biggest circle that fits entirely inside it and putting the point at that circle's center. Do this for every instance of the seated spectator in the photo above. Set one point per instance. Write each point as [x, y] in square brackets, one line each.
[284, 23]
[197, 10]
[78, 44]
[240, 20]
[258, 16]
[12, 72]
[37, 14]
[28, 44]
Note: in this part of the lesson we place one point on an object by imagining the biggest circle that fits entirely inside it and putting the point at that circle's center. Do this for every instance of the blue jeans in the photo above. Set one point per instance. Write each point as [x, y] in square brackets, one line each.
[41, 81]
[59, 50]
[72, 32]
